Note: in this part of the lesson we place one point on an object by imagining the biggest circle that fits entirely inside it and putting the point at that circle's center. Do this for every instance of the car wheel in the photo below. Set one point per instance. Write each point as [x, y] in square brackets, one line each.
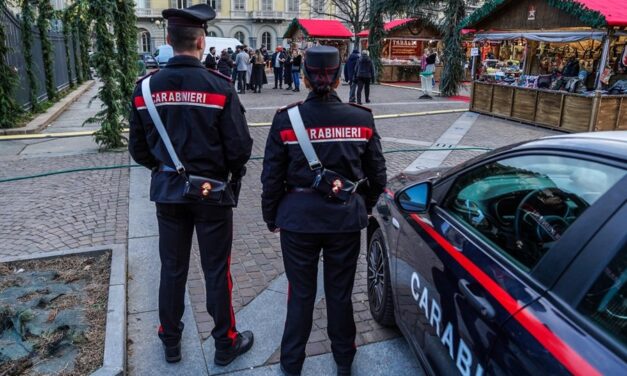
[379, 285]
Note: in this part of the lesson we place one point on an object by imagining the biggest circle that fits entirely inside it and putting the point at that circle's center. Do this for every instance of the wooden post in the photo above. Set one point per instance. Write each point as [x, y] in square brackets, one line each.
[559, 121]
[596, 103]
[603, 62]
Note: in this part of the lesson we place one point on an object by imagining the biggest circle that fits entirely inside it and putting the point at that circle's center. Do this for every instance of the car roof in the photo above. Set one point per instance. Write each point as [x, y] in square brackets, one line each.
[608, 144]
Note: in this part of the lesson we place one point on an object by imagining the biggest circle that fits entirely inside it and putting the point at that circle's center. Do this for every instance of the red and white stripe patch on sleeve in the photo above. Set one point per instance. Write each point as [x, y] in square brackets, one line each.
[330, 134]
[183, 98]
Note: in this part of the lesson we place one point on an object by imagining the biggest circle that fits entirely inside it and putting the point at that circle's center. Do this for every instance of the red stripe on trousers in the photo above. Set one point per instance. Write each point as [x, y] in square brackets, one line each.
[231, 332]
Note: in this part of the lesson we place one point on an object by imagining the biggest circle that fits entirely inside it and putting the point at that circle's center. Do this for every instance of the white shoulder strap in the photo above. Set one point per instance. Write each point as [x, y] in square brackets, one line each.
[154, 115]
[303, 138]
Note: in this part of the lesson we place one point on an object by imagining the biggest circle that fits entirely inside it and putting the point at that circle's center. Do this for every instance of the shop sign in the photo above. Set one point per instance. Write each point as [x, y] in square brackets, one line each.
[474, 51]
[531, 13]
[404, 47]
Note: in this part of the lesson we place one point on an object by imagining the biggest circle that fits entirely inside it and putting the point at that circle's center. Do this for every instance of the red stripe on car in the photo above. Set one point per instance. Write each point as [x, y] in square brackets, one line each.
[569, 358]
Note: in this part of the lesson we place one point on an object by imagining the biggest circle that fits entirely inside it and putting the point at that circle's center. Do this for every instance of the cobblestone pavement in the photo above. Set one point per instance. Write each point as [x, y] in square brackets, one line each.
[63, 211]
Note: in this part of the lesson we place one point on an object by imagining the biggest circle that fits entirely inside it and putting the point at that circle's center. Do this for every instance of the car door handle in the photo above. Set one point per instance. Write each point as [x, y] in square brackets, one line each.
[478, 302]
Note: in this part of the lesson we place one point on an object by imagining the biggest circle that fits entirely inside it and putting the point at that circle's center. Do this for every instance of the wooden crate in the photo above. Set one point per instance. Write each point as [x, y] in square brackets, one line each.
[607, 118]
[482, 97]
[524, 104]
[577, 113]
[549, 110]
[502, 100]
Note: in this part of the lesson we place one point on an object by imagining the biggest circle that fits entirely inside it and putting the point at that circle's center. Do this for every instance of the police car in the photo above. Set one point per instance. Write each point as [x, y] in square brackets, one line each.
[512, 263]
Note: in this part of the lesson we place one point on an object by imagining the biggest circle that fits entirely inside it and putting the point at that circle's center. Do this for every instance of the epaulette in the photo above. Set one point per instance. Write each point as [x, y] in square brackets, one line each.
[217, 73]
[149, 74]
[281, 109]
[362, 107]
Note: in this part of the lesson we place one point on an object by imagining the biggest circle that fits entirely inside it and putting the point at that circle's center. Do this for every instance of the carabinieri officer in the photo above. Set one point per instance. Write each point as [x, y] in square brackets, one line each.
[204, 121]
[320, 201]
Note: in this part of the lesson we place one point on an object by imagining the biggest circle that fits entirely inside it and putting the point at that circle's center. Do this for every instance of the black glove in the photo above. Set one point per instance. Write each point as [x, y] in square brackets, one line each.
[271, 226]
[236, 187]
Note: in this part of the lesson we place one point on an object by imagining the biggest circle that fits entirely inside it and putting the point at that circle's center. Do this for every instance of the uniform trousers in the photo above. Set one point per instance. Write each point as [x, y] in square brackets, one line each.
[214, 229]
[300, 257]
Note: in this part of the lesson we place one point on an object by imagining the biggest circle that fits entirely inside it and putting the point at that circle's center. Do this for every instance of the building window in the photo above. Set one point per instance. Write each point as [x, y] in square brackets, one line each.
[266, 5]
[183, 4]
[266, 40]
[212, 34]
[317, 6]
[239, 36]
[146, 41]
[293, 5]
[239, 4]
[215, 4]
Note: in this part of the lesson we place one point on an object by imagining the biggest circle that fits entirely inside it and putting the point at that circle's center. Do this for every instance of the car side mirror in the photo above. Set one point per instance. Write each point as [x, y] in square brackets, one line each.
[415, 199]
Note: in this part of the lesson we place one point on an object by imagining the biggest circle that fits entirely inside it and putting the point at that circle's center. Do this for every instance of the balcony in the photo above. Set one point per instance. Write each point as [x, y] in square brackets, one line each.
[289, 15]
[148, 12]
[261, 15]
[240, 14]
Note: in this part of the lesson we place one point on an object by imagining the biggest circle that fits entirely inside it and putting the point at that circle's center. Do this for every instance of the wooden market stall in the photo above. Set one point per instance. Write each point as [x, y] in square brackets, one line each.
[405, 43]
[561, 64]
[304, 33]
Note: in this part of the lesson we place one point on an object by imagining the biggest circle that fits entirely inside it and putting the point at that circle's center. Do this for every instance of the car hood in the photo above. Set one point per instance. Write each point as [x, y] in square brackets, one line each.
[404, 179]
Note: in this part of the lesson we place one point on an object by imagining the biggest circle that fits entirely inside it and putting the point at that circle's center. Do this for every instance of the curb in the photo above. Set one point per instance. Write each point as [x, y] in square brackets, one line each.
[41, 121]
[114, 362]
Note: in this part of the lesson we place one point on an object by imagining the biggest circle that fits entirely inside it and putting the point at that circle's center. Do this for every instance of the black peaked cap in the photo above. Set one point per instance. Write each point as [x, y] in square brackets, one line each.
[322, 65]
[194, 16]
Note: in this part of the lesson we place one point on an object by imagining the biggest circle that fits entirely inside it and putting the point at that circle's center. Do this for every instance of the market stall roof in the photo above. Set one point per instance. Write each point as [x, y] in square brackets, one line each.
[396, 24]
[318, 28]
[594, 13]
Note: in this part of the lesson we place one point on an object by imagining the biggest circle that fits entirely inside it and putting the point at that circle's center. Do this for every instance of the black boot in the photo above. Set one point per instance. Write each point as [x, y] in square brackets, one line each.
[243, 343]
[172, 353]
[286, 373]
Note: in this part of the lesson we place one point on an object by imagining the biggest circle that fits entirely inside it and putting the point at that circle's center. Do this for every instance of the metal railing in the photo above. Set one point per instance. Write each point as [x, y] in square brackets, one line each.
[240, 14]
[148, 12]
[267, 14]
[16, 59]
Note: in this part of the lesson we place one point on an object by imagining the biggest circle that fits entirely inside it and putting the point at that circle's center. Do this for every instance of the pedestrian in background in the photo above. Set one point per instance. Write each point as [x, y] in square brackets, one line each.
[241, 65]
[211, 59]
[364, 74]
[225, 64]
[328, 217]
[349, 74]
[258, 78]
[287, 71]
[432, 58]
[214, 145]
[297, 61]
[278, 58]
[234, 57]
[249, 68]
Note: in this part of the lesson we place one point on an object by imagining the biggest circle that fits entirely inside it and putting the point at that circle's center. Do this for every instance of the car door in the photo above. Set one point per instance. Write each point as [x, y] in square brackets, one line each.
[472, 256]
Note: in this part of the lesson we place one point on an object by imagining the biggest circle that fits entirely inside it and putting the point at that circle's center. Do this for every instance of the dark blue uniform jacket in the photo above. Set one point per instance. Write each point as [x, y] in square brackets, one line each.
[346, 141]
[204, 119]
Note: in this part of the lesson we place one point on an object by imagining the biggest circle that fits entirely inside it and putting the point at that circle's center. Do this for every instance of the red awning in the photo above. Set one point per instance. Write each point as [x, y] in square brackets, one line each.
[387, 27]
[324, 28]
[615, 11]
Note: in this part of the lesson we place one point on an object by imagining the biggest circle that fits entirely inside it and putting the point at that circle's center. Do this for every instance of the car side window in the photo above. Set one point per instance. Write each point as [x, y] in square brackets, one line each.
[606, 302]
[523, 205]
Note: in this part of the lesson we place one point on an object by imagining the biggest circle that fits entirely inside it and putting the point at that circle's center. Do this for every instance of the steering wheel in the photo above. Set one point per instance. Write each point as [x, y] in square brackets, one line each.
[546, 224]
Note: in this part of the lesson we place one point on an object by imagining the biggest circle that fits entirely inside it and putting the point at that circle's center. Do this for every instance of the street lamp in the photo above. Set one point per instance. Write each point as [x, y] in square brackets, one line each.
[161, 24]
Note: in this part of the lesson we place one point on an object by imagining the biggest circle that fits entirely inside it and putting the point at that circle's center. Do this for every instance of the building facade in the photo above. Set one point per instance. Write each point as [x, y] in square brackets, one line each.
[253, 22]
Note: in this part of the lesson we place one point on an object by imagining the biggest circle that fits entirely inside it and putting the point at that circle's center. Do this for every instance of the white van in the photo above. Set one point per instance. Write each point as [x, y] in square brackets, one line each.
[220, 44]
[163, 54]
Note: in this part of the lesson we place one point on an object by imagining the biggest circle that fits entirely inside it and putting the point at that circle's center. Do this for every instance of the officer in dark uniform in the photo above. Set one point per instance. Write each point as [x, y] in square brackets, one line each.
[346, 141]
[206, 124]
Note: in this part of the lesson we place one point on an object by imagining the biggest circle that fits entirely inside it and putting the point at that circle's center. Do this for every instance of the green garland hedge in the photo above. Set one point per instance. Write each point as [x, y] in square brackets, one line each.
[46, 13]
[67, 36]
[28, 21]
[9, 109]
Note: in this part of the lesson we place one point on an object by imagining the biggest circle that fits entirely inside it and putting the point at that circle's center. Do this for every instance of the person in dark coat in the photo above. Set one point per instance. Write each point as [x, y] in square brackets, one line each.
[212, 143]
[287, 71]
[349, 74]
[277, 60]
[258, 77]
[297, 61]
[225, 64]
[364, 74]
[312, 222]
[211, 60]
